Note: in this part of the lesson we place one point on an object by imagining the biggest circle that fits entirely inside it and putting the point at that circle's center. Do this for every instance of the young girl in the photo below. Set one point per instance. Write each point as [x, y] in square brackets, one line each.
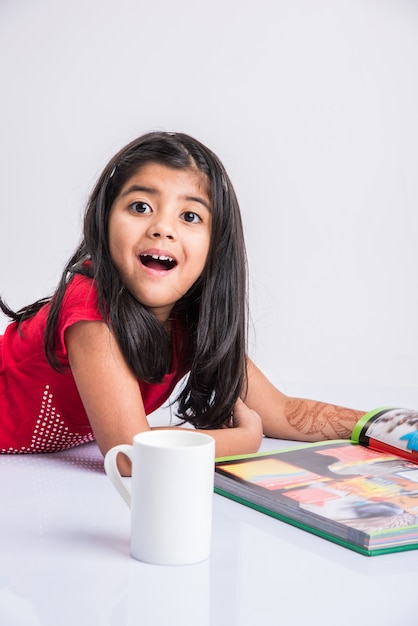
[155, 291]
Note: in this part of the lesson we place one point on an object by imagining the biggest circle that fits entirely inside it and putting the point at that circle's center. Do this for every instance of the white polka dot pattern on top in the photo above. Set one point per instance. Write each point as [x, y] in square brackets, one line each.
[51, 432]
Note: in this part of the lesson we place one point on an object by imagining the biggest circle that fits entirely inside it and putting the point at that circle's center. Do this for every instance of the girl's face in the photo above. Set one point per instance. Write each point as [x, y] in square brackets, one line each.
[159, 234]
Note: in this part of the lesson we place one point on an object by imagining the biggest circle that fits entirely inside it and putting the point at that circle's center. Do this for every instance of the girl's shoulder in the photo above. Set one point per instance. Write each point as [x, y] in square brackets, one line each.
[80, 301]
[79, 304]
[80, 286]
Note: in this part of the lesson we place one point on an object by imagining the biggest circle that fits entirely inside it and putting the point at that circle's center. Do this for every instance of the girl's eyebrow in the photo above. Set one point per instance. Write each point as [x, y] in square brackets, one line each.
[151, 190]
[134, 188]
[199, 200]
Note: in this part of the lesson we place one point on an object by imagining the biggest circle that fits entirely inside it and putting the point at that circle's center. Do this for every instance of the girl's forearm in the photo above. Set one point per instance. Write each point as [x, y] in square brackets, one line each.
[309, 420]
[235, 440]
[230, 441]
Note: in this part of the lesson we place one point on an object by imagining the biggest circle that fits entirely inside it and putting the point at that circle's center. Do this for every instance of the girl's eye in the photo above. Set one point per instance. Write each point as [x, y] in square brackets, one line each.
[192, 218]
[140, 207]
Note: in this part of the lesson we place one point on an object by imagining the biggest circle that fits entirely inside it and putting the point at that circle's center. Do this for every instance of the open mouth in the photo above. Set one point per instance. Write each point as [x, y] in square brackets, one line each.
[157, 261]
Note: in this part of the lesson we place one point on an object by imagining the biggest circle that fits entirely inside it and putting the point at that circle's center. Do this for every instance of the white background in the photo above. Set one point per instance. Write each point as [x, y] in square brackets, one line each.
[313, 108]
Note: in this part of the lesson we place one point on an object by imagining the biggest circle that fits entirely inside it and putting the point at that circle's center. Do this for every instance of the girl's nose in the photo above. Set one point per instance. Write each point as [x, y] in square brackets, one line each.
[162, 228]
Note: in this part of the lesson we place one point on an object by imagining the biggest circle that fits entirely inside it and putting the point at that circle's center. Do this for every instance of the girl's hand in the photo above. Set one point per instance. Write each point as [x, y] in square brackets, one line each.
[242, 436]
[244, 417]
[249, 423]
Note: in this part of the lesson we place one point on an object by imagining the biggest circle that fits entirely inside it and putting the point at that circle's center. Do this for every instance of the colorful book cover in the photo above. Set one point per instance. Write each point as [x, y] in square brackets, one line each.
[355, 496]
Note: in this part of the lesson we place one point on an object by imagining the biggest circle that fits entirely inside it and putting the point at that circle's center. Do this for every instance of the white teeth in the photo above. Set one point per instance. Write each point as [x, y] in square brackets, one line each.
[158, 257]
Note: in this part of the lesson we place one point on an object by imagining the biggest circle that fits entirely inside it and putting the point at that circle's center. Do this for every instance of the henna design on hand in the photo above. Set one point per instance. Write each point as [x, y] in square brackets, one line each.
[320, 420]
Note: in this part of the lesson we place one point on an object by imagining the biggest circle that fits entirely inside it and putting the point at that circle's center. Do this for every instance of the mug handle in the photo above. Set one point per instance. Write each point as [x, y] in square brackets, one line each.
[112, 471]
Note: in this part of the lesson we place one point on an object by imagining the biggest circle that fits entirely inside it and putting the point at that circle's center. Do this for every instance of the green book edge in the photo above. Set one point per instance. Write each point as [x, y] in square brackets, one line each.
[300, 446]
[355, 435]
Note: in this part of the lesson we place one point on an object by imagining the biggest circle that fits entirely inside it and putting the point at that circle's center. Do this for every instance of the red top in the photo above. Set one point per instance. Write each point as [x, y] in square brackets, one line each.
[40, 409]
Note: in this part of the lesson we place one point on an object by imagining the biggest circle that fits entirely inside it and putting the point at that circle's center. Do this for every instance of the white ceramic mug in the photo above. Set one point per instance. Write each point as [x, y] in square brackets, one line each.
[171, 494]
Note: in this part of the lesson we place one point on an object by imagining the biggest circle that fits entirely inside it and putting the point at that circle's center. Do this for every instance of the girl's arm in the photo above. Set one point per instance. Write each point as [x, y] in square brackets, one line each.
[293, 418]
[242, 437]
[107, 387]
[112, 398]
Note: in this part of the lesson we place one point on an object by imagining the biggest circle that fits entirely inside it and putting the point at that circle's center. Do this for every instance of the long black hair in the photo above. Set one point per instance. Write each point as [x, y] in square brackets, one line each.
[214, 309]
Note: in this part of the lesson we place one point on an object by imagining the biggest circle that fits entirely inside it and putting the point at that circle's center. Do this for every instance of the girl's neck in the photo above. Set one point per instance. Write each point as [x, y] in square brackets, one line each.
[167, 325]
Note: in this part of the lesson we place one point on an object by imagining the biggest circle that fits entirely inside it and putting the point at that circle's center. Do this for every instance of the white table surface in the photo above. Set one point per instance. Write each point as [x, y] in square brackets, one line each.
[65, 561]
